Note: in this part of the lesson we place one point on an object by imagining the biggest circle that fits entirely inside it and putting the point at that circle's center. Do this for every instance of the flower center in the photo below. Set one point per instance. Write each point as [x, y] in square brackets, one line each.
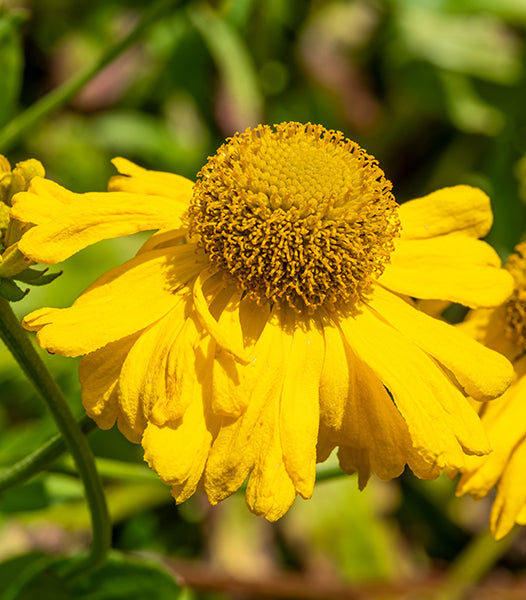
[296, 214]
[516, 306]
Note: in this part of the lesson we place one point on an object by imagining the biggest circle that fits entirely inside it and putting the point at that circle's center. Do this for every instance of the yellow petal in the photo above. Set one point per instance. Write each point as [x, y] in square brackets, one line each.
[504, 420]
[360, 416]
[229, 379]
[253, 441]
[220, 335]
[521, 517]
[184, 369]
[511, 495]
[163, 239]
[142, 181]
[488, 326]
[142, 380]
[123, 426]
[483, 373]
[99, 374]
[270, 491]
[122, 301]
[66, 222]
[299, 415]
[440, 421]
[179, 454]
[165, 407]
[452, 267]
[460, 208]
[335, 390]
[243, 442]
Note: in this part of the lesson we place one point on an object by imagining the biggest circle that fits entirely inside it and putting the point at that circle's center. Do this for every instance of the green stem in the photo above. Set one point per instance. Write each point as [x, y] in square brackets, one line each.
[59, 96]
[18, 342]
[115, 469]
[38, 460]
[475, 561]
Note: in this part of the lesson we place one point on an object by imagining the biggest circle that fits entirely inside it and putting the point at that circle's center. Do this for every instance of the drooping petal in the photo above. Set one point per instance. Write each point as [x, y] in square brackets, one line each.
[99, 374]
[185, 365]
[511, 494]
[143, 181]
[336, 390]
[165, 408]
[483, 373]
[372, 434]
[460, 208]
[66, 222]
[441, 423]
[451, 267]
[220, 335]
[358, 414]
[142, 381]
[299, 414]
[252, 443]
[270, 490]
[242, 442]
[179, 453]
[123, 300]
[230, 395]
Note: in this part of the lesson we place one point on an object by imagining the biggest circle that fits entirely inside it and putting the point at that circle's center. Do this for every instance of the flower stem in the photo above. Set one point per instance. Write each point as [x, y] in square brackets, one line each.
[117, 470]
[475, 561]
[20, 346]
[38, 460]
[59, 96]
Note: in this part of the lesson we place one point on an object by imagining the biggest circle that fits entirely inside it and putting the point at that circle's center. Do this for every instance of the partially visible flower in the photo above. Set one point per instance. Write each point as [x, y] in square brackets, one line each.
[13, 264]
[503, 329]
[270, 319]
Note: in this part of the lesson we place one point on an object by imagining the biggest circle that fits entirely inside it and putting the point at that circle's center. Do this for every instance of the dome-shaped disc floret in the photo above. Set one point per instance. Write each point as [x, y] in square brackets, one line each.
[296, 214]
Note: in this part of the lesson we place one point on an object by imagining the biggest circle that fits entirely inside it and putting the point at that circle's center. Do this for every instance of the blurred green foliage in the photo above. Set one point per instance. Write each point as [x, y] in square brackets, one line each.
[435, 89]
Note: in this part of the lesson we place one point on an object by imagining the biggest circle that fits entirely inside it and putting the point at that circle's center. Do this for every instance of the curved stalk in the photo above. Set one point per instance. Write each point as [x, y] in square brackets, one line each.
[19, 344]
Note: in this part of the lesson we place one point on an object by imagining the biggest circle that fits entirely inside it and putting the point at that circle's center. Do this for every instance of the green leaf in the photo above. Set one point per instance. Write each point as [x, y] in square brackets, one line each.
[36, 575]
[9, 290]
[127, 578]
[30, 576]
[36, 277]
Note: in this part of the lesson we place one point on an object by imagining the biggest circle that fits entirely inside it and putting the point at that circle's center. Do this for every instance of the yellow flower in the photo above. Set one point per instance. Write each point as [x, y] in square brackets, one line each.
[13, 264]
[504, 329]
[270, 319]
